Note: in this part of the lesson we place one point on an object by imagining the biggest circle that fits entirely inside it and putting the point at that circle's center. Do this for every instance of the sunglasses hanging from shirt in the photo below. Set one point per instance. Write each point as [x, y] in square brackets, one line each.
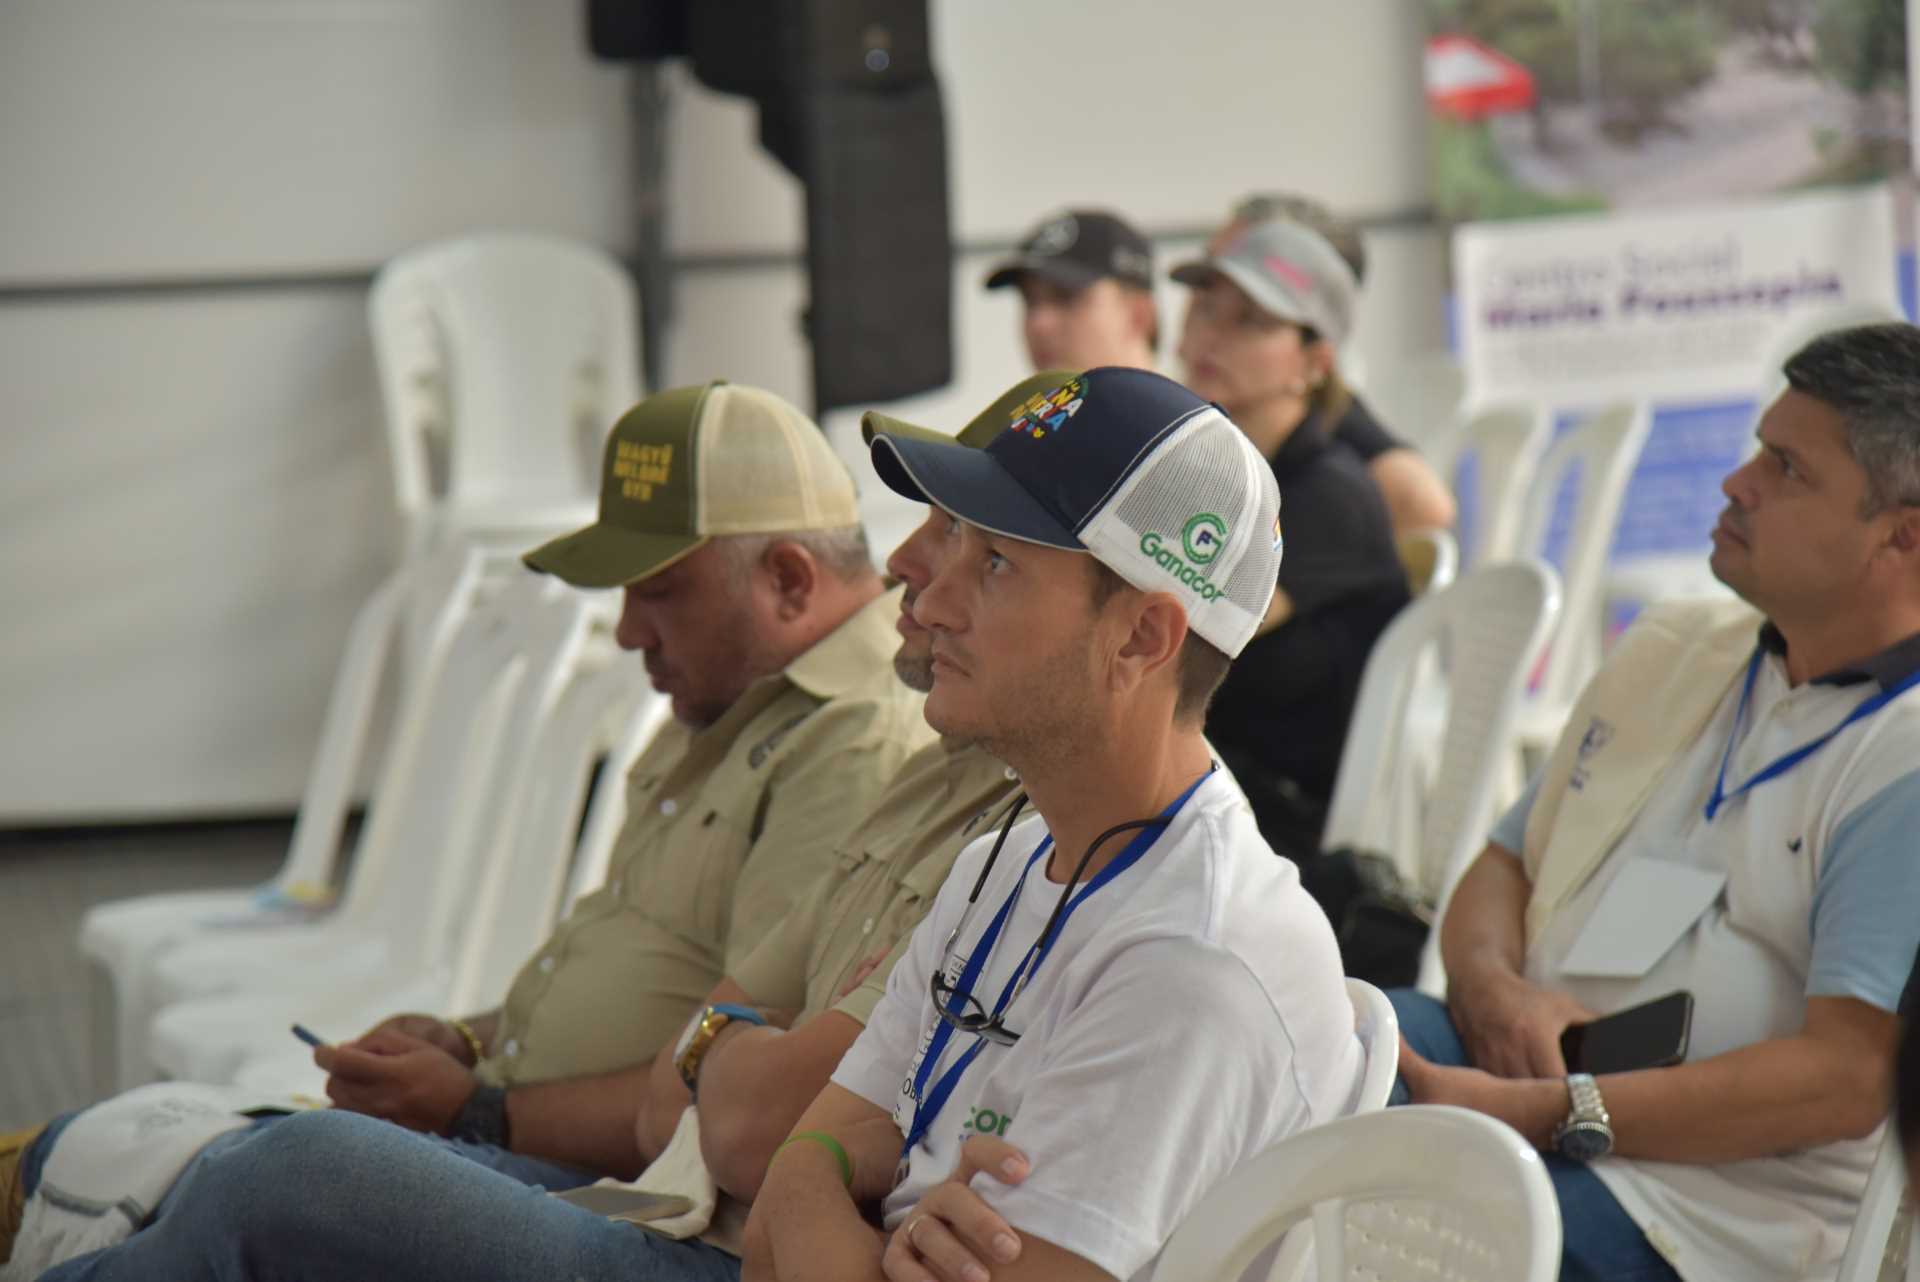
[955, 1003]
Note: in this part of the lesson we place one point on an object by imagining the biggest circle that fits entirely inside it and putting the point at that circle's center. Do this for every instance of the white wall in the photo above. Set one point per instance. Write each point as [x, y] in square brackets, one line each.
[193, 496]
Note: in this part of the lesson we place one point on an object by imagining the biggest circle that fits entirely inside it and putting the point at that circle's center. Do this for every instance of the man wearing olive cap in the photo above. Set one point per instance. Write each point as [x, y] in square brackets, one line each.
[732, 528]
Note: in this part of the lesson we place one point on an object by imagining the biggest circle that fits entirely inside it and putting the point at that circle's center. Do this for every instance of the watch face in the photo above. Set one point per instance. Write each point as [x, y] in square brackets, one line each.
[1585, 1141]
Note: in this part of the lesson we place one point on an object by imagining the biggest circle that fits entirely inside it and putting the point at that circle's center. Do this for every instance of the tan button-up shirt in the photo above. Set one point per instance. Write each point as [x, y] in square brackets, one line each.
[725, 828]
[881, 885]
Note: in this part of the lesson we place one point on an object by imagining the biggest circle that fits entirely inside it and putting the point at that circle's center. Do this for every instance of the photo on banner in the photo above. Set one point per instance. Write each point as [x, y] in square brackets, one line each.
[1649, 201]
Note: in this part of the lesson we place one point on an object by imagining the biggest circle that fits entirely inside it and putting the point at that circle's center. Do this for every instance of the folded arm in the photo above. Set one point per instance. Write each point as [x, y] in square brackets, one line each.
[807, 1223]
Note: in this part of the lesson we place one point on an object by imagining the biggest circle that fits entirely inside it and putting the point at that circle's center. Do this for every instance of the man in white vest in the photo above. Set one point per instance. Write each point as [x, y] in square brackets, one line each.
[1731, 811]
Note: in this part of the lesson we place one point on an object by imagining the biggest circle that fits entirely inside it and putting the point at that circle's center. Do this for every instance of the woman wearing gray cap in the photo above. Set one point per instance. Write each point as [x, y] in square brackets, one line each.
[1270, 307]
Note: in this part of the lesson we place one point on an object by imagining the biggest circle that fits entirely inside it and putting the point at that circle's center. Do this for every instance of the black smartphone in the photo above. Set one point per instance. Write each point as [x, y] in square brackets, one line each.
[1651, 1035]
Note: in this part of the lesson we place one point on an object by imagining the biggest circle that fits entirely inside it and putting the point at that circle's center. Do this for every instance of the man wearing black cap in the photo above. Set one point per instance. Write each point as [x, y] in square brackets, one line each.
[1086, 278]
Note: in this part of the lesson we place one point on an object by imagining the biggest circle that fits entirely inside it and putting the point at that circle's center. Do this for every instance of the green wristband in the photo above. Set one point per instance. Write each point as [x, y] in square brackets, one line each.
[829, 1143]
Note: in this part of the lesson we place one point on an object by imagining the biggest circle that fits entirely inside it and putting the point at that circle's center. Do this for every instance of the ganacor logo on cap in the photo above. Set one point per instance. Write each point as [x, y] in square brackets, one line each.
[1049, 411]
[1203, 537]
[1153, 545]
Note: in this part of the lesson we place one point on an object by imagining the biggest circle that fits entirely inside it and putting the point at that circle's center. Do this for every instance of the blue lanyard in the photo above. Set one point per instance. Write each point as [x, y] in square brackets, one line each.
[1864, 709]
[927, 1104]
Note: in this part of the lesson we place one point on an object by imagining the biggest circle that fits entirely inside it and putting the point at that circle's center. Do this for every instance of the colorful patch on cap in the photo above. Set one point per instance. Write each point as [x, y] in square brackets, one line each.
[1049, 411]
[1276, 532]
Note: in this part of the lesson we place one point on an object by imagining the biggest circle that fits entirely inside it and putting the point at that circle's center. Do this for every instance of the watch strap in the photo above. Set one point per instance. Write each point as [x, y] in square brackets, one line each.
[483, 1118]
[1584, 1096]
[738, 1014]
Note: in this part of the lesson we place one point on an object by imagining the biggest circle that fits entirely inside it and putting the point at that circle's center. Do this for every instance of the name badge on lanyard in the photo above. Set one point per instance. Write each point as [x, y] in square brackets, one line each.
[1864, 709]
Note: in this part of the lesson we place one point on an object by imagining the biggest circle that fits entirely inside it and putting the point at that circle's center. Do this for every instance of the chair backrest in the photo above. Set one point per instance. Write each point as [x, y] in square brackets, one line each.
[1379, 1032]
[520, 898]
[1493, 623]
[519, 351]
[1426, 1192]
[1504, 440]
[607, 811]
[1431, 559]
[1603, 449]
[494, 881]
[1879, 1207]
[427, 822]
[341, 755]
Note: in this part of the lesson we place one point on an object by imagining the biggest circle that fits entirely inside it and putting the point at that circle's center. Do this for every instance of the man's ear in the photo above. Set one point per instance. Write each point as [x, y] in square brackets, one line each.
[1905, 535]
[1159, 626]
[793, 575]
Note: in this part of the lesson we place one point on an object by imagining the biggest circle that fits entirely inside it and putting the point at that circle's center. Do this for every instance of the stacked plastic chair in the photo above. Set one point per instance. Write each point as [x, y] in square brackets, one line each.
[1599, 455]
[605, 715]
[123, 939]
[1493, 623]
[503, 360]
[429, 851]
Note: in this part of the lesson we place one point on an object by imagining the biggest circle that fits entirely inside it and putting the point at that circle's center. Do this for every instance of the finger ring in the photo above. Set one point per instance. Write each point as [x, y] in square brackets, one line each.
[913, 1224]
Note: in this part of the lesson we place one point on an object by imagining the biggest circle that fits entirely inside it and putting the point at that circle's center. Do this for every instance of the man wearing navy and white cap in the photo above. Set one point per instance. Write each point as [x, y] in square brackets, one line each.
[1085, 277]
[1112, 548]
[1269, 310]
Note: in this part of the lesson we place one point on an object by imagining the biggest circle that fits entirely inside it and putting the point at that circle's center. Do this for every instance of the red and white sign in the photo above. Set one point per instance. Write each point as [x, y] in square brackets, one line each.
[1470, 81]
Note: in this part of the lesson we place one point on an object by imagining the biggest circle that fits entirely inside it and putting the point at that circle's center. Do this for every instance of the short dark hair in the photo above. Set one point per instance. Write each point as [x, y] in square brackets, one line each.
[1201, 665]
[1871, 375]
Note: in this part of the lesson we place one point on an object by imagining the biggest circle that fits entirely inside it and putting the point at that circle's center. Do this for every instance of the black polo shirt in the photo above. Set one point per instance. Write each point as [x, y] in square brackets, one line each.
[1283, 710]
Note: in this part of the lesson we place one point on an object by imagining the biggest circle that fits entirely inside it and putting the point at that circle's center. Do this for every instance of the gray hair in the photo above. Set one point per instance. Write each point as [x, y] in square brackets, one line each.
[1871, 375]
[843, 551]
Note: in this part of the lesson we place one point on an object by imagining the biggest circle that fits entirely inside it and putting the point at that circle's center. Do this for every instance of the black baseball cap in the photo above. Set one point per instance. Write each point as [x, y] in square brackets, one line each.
[1077, 248]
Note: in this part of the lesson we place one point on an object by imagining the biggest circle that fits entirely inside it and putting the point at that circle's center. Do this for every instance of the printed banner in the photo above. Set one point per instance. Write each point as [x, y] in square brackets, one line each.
[1557, 106]
[1666, 304]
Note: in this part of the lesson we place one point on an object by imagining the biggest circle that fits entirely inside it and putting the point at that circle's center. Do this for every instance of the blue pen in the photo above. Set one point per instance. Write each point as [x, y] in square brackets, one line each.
[308, 1036]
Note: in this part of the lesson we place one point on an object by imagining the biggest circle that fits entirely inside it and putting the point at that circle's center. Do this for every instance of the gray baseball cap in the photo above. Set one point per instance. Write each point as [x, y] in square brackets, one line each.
[1288, 270]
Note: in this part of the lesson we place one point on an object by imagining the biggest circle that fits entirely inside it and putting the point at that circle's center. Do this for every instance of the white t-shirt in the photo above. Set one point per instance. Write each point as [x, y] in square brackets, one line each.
[1191, 1014]
[1818, 902]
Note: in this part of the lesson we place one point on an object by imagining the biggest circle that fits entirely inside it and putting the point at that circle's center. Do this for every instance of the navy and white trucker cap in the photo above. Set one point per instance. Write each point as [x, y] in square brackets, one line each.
[1157, 484]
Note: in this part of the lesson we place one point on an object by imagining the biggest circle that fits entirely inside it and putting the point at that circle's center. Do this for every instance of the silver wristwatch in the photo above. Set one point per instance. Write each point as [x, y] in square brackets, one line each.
[1588, 1131]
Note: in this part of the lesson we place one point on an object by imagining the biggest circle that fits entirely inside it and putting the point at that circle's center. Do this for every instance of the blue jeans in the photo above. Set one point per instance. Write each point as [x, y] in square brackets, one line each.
[329, 1195]
[1599, 1242]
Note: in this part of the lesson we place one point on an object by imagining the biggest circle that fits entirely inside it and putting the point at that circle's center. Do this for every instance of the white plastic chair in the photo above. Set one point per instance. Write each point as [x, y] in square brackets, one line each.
[1424, 1193]
[1505, 441]
[607, 812]
[120, 938]
[1605, 449]
[428, 837]
[1880, 1207]
[1493, 623]
[513, 353]
[1431, 559]
[510, 919]
[1378, 1027]
[124, 940]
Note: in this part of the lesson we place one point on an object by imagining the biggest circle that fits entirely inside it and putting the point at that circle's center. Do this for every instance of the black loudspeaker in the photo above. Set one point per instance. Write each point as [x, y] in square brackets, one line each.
[850, 105]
